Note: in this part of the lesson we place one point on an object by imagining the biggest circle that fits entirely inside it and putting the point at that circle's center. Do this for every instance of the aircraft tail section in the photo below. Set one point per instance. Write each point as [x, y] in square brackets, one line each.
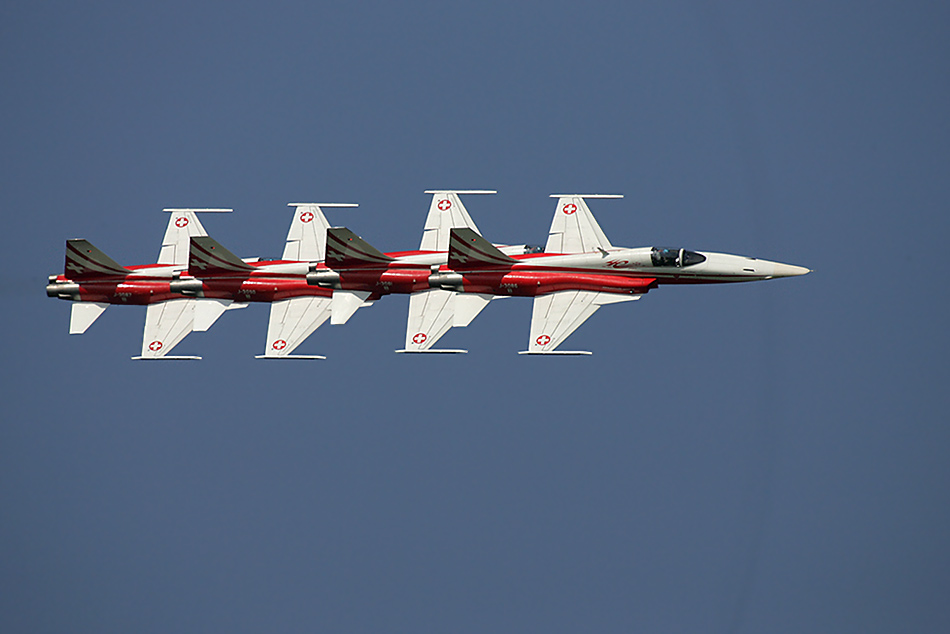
[469, 250]
[209, 258]
[346, 250]
[84, 261]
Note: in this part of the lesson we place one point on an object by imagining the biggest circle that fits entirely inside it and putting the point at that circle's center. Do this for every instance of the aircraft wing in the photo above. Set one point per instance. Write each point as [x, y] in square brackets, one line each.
[446, 212]
[574, 229]
[183, 224]
[166, 324]
[433, 312]
[555, 316]
[430, 317]
[291, 322]
[307, 238]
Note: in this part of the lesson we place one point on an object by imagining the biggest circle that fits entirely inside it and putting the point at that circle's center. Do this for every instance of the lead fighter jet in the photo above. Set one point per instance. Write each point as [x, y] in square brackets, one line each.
[578, 271]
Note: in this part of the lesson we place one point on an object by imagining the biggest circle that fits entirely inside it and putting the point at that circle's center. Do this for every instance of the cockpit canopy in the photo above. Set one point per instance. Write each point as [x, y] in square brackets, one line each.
[668, 256]
[533, 248]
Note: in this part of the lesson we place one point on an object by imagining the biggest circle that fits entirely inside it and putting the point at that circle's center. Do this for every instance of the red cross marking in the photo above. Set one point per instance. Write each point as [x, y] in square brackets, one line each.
[181, 222]
[155, 346]
[444, 204]
[306, 216]
[280, 344]
[570, 208]
[419, 338]
[543, 340]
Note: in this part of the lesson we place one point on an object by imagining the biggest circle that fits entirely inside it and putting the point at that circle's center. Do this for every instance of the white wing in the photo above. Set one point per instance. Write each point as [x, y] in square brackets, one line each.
[557, 315]
[431, 315]
[445, 213]
[574, 229]
[166, 324]
[307, 238]
[291, 322]
[182, 225]
[433, 312]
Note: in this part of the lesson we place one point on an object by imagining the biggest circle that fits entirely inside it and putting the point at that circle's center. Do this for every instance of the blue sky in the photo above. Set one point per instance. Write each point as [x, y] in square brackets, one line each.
[740, 458]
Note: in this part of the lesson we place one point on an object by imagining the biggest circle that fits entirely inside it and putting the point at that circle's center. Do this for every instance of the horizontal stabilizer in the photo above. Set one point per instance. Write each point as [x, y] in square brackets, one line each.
[83, 314]
[208, 310]
[467, 250]
[344, 304]
[467, 306]
[84, 261]
[210, 258]
[346, 250]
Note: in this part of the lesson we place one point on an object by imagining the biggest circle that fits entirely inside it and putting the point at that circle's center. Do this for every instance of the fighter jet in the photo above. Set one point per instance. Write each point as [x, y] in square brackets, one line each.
[577, 272]
[304, 287]
[94, 281]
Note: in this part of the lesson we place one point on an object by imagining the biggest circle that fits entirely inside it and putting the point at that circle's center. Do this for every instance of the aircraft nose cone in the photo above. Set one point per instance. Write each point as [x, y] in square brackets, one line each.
[789, 270]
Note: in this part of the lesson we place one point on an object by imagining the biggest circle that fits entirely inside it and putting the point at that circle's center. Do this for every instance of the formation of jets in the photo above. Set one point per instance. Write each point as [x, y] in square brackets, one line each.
[330, 272]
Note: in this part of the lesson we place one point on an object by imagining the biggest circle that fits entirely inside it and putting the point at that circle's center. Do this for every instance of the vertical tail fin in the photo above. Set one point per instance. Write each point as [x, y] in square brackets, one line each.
[210, 258]
[85, 261]
[467, 249]
[346, 250]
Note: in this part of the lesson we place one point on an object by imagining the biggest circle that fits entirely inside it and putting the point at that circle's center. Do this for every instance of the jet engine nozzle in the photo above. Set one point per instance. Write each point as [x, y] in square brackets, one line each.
[447, 281]
[324, 278]
[63, 290]
[188, 288]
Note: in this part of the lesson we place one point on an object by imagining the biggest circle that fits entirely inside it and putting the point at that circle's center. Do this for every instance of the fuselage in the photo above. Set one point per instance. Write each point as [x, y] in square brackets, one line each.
[617, 270]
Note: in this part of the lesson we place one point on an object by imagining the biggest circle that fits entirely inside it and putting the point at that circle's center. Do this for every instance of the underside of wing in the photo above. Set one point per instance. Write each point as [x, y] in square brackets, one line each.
[166, 324]
[446, 212]
[291, 322]
[307, 238]
[183, 224]
[555, 316]
[574, 229]
[431, 314]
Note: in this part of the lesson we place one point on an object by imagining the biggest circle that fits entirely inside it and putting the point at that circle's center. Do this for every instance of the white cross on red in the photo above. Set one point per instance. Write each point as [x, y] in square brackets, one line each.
[306, 216]
[570, 208]
[280, 344]
[155, 346]
[181, 222]
[543, 340]
[419, 338]
[444, 204]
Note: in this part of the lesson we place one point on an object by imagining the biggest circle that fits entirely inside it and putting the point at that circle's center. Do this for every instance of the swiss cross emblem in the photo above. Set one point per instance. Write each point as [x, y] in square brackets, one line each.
[280, 344]
[155, 346]
[570, 208]
[306, 216]
[181, 222]
[419, 338]
[543, 340]
[444, 204]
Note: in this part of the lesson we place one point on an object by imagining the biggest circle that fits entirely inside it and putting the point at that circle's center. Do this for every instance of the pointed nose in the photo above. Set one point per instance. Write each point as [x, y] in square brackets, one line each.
[789, 270]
